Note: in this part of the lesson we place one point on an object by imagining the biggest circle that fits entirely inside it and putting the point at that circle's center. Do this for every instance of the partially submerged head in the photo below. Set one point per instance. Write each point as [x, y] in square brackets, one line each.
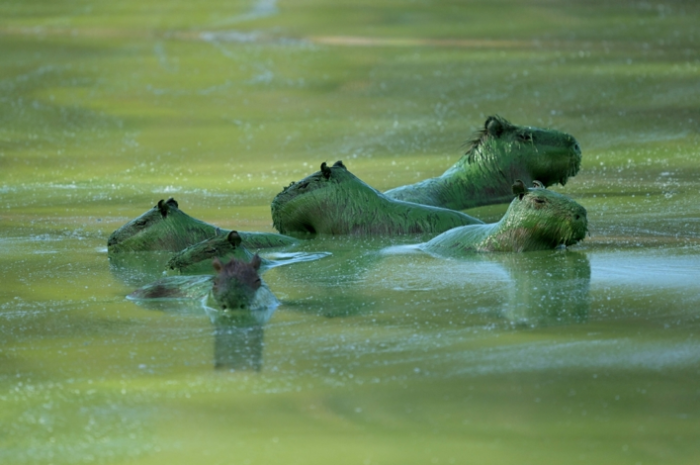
[548, 155]
[163, 227]
[196, 257]
[236, 282]
[540, 219]
[318, 180]
[297, 209]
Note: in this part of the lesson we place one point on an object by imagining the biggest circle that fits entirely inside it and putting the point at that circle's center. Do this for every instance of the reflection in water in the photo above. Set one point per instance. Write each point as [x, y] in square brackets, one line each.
[335, 288]
[548, 288]
[236, 346]
[531, 289]
[238, 335]
[528, 289]
[138, 268]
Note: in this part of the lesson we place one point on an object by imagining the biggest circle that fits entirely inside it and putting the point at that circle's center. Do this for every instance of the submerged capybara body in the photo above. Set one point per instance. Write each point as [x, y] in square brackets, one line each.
[537, 219]
[334, 201]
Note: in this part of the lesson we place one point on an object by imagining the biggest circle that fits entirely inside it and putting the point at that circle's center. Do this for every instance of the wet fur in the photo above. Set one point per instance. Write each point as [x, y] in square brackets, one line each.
[334, 201]
[537, 219]
[236, 282]
[166, 227]
[498, 154]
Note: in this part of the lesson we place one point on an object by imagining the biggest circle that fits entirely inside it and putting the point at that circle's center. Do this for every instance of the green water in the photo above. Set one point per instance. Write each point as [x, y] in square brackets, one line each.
[583, 356]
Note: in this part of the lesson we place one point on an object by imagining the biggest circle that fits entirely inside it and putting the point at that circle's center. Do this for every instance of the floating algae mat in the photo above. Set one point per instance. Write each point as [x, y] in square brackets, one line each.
[588, 354]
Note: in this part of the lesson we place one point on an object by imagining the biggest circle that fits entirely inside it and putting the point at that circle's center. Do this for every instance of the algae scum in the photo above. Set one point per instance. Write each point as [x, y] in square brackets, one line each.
[585, 355]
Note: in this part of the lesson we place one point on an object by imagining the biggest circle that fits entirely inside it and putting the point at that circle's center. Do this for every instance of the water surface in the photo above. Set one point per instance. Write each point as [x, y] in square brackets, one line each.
[586, 355]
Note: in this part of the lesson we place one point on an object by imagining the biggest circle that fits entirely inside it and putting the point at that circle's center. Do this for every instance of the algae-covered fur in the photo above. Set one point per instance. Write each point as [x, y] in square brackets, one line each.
[166, 227]
[537, 219]
[334, 201]
[500, 153]
[197, 258]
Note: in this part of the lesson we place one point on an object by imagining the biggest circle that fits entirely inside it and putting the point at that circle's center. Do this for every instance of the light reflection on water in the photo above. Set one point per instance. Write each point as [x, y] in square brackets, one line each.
[355, 329]
[412, 324]
[655, 268]
[616, 354]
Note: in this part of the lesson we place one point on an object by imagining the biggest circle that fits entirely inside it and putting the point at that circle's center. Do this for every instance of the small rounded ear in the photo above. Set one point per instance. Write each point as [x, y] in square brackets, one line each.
[325, 170]
[537, 185]
[339, 164]
[172, 202]
[234, 238]
[519, 189]
[163, 207]
[493, 126]
[216, 263]
[255, 262]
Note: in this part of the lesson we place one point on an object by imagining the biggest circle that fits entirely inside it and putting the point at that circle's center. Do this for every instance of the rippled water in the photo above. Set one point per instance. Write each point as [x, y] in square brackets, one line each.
[586, 355]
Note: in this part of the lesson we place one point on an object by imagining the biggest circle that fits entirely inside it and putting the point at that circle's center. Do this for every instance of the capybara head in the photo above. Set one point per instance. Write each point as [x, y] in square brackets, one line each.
[163, 227]
[549, 156]
[200, 254]
[236, 282]
[543, 216]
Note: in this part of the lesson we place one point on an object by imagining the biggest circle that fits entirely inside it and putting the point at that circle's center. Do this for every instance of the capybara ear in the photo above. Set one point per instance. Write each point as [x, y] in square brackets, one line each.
[519, 189]
[339, 164]
[538, 185]
[216, 263]
[163, 208]
[493, 126]
[234, 238]
[325, 170]
[172, 202]
[255, 262]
